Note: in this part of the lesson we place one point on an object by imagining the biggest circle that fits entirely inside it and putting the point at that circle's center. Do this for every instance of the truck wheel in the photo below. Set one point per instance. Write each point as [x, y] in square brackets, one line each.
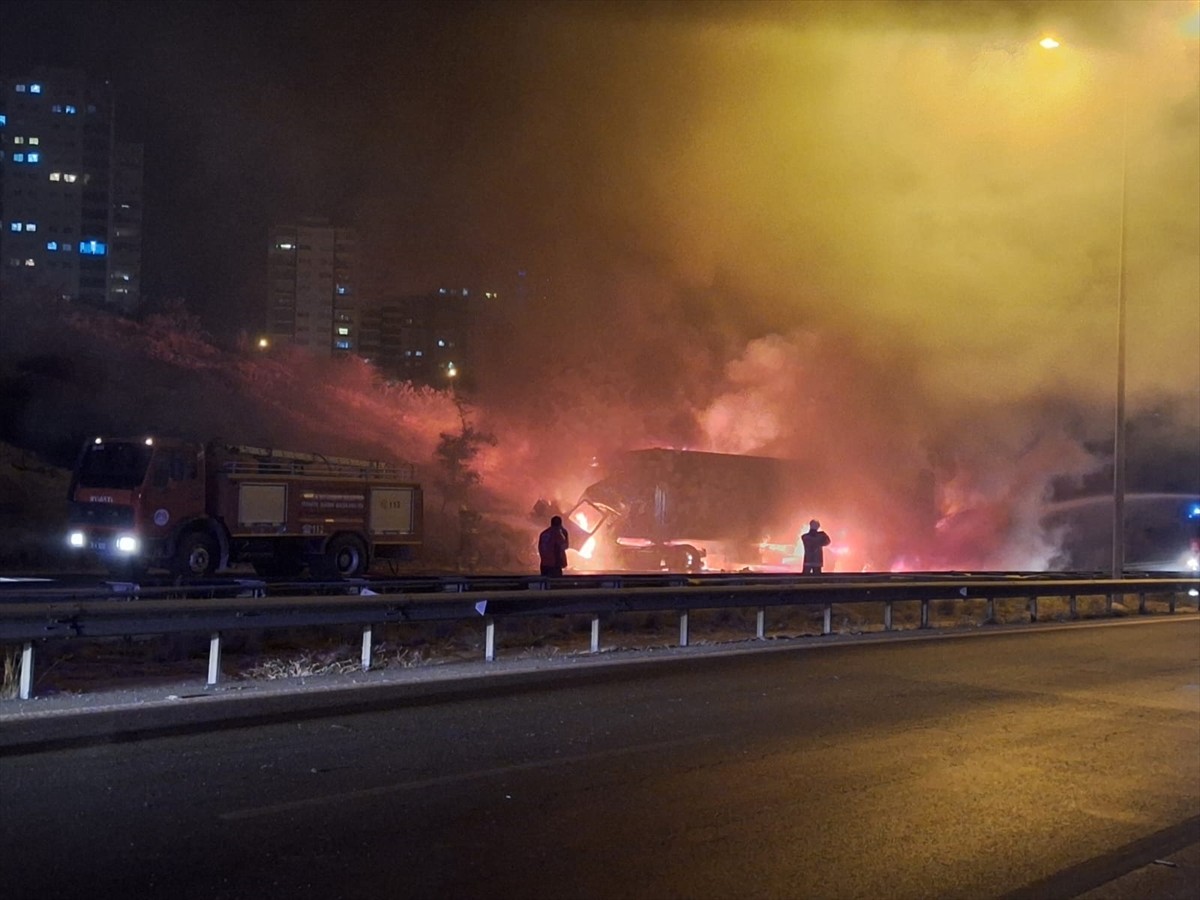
[196, 555]
[344, 557]
[691, 560]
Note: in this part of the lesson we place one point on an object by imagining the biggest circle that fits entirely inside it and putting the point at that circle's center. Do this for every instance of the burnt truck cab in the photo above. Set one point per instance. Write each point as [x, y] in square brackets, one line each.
[191, 508]
[595, 531]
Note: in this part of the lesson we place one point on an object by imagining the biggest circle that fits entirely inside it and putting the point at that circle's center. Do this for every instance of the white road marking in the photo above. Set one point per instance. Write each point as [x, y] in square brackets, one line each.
[443, 780]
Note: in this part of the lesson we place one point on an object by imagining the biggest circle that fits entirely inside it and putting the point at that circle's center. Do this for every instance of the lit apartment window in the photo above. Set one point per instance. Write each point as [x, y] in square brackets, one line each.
[52, 245]
[33, 157]
[17, 139]
[70, 110]
[56, 176]
[70, 178]
[34, 140]
[342, 345]
[31, 226]
[30, 263]
[3, 120]
[35, 89]
[343, 331]
[56, 108]
[92, 248]
[18, 157]
[67, 246]
[20, 88]
[15, 226]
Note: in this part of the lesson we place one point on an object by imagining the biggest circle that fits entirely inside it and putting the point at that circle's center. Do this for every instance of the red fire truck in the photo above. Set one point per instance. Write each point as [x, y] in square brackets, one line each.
[138, 503]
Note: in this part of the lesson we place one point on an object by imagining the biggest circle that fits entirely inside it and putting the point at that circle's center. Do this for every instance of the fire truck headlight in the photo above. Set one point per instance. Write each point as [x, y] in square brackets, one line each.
[127, 544]
[76, 539]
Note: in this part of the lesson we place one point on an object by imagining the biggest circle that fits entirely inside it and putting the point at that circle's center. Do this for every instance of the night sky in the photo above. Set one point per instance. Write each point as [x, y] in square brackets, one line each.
[912, 179]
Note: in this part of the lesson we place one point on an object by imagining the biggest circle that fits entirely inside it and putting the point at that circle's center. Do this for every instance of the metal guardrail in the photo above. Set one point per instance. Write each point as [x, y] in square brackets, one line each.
[242, 605]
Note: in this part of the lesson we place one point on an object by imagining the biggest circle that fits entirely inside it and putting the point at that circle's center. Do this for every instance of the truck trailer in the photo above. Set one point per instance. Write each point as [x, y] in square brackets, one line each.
[193, 508]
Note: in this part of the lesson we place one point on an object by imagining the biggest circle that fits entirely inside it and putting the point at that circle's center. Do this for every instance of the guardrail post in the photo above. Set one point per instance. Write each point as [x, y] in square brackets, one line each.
[25, 686]
[990, 614]
[596, 633]
[1108, 603]
[1171, 603]
[683, 629]
[214, 659]
[760, 630]
[1074, 607]
[489, 639]
[1141, 604]
[1031, 605]
[887, 616]
[924, 613]
[366, 648]
[827, 624]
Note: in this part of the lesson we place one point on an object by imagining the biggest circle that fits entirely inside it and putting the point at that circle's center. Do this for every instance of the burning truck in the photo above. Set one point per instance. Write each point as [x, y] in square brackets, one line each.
[686, 511]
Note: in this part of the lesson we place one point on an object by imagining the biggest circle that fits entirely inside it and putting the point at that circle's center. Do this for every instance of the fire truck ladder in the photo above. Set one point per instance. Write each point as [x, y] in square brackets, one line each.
[272, 461]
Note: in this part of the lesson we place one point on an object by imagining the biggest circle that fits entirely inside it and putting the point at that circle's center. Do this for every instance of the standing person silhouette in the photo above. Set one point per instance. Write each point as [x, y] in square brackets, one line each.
[552, 548]
[814, 541]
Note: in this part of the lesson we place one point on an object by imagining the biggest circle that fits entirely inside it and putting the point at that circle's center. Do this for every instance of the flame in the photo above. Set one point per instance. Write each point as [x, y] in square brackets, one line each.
[588, 548]
[579, 517]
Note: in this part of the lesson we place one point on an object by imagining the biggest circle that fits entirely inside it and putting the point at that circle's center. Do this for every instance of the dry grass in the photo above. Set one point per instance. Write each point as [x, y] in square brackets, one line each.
[302, 666]
[11, 674]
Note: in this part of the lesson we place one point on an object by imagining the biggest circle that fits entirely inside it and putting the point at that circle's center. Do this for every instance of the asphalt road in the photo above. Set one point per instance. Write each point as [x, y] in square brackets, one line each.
[1035, 764]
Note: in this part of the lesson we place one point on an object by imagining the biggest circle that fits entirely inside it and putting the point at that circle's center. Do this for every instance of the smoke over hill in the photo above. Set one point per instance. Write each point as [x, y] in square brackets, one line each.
[882, 460]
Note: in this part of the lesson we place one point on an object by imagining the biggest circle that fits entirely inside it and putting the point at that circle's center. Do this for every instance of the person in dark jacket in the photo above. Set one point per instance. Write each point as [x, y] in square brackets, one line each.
[814, 540]
[552, 547]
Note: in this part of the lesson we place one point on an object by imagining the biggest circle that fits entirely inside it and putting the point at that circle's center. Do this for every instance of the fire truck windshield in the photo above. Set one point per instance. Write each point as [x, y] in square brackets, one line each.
[119, 465]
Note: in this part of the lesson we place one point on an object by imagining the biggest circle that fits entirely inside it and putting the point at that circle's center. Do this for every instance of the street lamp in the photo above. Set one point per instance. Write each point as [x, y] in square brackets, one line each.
[1118, 522]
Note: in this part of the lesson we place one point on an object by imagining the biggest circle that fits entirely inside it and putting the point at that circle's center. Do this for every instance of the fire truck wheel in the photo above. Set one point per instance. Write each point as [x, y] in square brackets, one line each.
[345, 557]
[196, 555]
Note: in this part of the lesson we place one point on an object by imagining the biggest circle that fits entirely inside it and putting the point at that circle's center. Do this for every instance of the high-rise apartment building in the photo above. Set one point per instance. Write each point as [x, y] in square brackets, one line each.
[313, 292]
[428, 338]
[70, 194]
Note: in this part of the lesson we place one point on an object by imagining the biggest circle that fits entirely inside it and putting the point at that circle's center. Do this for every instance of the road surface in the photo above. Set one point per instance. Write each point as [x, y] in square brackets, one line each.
[1035, 764]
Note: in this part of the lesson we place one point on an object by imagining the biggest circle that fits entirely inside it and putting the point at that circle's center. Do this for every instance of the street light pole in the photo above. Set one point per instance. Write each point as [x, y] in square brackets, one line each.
[1118, 525]
[1118, 522]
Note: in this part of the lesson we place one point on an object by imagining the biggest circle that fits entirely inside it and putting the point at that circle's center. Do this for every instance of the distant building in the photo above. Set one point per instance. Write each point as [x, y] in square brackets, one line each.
[70, 194]
[125, 231]
[428, 338]
[313, 294]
